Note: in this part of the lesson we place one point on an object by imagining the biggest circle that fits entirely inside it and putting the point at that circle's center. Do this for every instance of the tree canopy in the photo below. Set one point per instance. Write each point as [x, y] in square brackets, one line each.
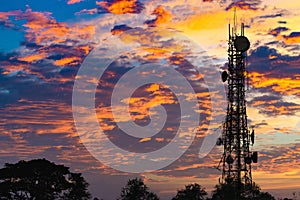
[191, 192]
[228, 191]
[41, 179]
[137, 190]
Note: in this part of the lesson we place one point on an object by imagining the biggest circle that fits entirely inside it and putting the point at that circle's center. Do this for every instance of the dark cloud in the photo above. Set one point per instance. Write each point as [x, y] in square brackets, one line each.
[271, 16]
[274, 105]
[244, 5]
[120, 29]
[282, 22]
[278, 30]
[120, 6]
[267, 98]
[268, 61]
[263, 123]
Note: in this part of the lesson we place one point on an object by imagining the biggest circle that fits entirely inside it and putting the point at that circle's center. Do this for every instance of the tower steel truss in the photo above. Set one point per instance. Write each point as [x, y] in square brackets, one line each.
[236, 139]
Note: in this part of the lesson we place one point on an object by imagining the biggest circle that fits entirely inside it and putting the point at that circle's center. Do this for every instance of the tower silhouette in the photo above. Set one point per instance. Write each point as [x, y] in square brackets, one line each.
[236, 139]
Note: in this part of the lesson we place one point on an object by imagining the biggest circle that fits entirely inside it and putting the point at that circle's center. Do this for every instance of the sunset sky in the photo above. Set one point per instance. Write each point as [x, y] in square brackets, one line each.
[44, 44]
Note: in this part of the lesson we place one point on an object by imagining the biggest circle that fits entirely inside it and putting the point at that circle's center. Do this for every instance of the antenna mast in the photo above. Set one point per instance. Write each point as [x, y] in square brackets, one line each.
[236, 137]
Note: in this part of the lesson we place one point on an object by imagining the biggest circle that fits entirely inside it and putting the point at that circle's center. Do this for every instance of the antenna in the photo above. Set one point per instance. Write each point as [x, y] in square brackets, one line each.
[234, 20]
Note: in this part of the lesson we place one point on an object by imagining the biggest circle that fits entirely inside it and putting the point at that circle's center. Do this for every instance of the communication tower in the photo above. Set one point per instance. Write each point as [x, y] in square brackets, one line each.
[236, 139]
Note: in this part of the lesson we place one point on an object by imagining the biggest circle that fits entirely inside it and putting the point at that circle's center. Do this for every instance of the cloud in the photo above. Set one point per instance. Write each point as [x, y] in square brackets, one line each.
[274, 106]
[42, 29]
[120, 6]
[278, 30]
[87, 11]
[33, 57]
[274, 80]
[37, 79]
[118, 29]
[279, 159]
[74, 1]
[271, 16]
[68, 61]
[48, 44]
[293, 38]
[6, 21]
[244, 5]
[162, 16]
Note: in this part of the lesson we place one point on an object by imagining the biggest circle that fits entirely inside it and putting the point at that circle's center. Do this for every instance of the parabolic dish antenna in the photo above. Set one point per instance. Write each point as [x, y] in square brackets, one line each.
[241, 43]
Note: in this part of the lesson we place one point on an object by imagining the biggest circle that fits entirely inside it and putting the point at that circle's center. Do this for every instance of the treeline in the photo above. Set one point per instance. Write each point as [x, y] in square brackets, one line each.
[41, 179]
[136, 189]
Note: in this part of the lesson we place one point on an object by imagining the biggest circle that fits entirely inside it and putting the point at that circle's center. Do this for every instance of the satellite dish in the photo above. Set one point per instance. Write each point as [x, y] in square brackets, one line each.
[224, 76]
[241, 43]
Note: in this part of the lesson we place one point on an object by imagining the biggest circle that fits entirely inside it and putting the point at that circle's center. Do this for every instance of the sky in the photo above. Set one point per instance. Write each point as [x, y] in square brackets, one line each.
[56, 56]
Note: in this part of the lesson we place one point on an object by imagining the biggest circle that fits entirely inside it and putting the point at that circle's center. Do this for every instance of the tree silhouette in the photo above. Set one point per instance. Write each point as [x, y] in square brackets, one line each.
[41, 179]
[228, 191]
[137, 190]
[191, 192]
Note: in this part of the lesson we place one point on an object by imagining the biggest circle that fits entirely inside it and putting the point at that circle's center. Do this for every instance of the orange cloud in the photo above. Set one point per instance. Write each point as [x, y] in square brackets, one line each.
[284, 85]
[159, 139]
[282, 110]
[140, 105]
[153, 87]
[42, 113]
[162, 16]
[145, 140]
[292, 38]
[10, 68]
[43, 29]
[259, 103]
[68, 61]
[73, 1]
[85, 48]
[34, 57]
[4, 18]
[121, 6]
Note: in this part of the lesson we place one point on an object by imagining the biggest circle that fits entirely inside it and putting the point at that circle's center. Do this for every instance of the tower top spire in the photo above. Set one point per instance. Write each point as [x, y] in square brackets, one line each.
[234, 21]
